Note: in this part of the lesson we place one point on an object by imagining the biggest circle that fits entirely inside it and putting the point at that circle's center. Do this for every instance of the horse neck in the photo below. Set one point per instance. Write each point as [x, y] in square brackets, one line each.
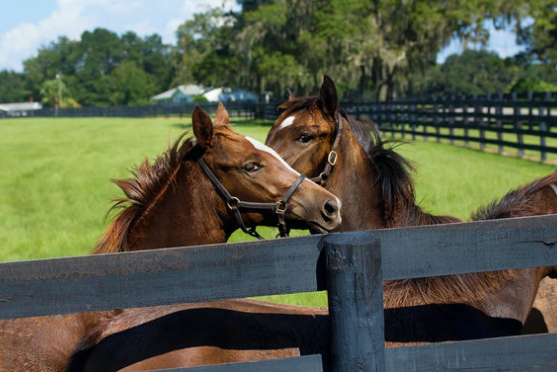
[187, 212]
[411, 214]
[353, 181]
[515, 298]
[499, 294]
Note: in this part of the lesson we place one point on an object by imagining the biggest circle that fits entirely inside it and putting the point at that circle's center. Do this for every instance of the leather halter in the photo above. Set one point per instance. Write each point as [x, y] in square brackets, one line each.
[321, 180]
[236, 205]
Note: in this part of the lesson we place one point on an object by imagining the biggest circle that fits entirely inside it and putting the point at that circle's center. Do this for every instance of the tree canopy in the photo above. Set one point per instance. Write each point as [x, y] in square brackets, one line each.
[373, 49]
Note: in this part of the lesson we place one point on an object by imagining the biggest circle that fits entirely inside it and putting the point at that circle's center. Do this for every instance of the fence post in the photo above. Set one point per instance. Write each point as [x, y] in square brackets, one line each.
[452, 120]
[405, 117]
[479, 119]
[499, 122]
[517, 112]
[439, 114]
[543, 129]
[355, 291]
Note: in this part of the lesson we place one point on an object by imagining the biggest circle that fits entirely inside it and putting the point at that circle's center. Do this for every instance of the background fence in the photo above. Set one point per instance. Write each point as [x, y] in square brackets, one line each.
[351, 266]
[521, 122]
[239, 109]
[507, 121]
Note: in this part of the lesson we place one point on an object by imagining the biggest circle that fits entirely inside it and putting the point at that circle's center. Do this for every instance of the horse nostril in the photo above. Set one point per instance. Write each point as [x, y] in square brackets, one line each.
[331, 208]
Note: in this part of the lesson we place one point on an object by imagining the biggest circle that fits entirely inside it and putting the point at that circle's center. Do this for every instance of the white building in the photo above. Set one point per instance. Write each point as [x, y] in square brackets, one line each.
[19, 108]
[186, 94]
[179, 95]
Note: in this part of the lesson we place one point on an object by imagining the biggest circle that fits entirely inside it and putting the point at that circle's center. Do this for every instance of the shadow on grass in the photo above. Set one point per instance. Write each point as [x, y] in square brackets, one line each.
[182, 126]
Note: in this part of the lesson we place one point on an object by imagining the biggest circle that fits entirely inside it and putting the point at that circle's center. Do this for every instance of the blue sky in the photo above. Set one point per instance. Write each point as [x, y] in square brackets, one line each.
[28, 24]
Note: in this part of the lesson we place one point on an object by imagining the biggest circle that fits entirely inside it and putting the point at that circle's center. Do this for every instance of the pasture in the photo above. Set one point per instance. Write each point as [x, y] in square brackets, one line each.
[56, 189]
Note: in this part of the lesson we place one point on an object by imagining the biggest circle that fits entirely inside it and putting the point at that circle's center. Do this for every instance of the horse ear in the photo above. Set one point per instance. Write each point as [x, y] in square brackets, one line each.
[202, 127]
[291, 96]
[221, 117]
[328, 96]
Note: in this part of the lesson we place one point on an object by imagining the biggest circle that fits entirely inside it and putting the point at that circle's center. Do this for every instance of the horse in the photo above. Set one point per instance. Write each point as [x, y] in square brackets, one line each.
[183, 198]
[375, 183]
[417, 311]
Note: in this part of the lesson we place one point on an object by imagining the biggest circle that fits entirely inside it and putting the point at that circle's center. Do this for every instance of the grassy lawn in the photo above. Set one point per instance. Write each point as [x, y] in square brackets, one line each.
[56, 189]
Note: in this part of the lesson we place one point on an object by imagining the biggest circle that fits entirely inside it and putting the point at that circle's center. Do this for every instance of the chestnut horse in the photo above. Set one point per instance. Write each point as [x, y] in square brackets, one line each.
[173, 202]
[456, 307]
[417, 311]
[374, 182]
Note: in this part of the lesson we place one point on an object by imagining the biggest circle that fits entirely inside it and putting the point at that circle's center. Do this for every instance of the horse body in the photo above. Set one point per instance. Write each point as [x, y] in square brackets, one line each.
[376, 187]
[204, 333]
[165, 206]
[305, 134]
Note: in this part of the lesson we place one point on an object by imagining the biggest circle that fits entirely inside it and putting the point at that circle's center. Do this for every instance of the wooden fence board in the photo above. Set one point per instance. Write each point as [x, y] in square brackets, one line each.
[521, 353]
[468, 247]
[237, 270]
[158, 277]
[309, 363]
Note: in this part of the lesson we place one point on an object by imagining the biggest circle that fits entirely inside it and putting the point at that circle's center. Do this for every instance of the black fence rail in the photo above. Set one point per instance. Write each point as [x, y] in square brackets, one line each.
[238, 109]
[521, 122]
[351, 266]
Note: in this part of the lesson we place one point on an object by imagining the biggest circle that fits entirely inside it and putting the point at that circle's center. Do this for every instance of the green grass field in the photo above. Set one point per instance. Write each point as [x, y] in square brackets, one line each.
[55, 179]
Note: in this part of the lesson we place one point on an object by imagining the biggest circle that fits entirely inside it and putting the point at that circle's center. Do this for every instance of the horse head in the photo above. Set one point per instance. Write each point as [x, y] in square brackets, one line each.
[304, 134]
[254, 173]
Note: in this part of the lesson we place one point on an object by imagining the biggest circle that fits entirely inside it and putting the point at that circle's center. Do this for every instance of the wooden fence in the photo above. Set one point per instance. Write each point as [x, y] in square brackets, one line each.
[351, 266]
[521, 122]
[503, 121]
[247, 110]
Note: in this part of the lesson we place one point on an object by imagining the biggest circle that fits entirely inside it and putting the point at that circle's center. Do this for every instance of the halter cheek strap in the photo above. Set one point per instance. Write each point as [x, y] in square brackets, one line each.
[236, 205]
[331, 158]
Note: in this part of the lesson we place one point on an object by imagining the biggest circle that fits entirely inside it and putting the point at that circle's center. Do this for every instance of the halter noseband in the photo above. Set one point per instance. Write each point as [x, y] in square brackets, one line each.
[235, 204]
[321, 180]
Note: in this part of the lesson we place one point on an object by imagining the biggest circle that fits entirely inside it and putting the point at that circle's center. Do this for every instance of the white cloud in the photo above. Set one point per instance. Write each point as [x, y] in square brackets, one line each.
[169, 33]
[23, 41]
[72, 17]
[142, 28]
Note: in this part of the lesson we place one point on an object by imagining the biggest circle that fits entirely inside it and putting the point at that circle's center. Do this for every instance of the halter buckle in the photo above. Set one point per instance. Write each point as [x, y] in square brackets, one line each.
[280, 207]
[332, 157]
[233, 202]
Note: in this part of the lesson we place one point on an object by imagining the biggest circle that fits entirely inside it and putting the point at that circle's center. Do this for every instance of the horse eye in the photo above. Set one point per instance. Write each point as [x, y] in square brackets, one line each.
[304, 138]
[252, 167]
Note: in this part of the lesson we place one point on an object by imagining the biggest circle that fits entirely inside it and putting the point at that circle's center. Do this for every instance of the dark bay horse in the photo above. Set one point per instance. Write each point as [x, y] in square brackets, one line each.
[173, 202]
[456, 307]
[417, 311]
[374, 182]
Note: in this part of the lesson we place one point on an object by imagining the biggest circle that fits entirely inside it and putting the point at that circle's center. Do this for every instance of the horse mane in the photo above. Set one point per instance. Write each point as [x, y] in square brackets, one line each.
[395, 179]
[520, 202]
[148, 183]
[395, 182]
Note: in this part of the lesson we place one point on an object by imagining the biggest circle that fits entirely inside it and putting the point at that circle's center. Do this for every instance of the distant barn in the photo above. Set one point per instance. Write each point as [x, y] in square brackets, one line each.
[19, 108]
[195, 93]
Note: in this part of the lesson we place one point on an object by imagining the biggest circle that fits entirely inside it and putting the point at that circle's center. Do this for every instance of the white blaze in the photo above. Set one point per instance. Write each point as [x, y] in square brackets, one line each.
[258, 145]
[286, 122]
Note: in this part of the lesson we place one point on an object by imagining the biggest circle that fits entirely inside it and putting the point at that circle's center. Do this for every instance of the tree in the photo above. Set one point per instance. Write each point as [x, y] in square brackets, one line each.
[55, 94]
[12, 87]
[540, 36]
[204, 54]
[368, 46]
[58, 57]
[131, 85]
